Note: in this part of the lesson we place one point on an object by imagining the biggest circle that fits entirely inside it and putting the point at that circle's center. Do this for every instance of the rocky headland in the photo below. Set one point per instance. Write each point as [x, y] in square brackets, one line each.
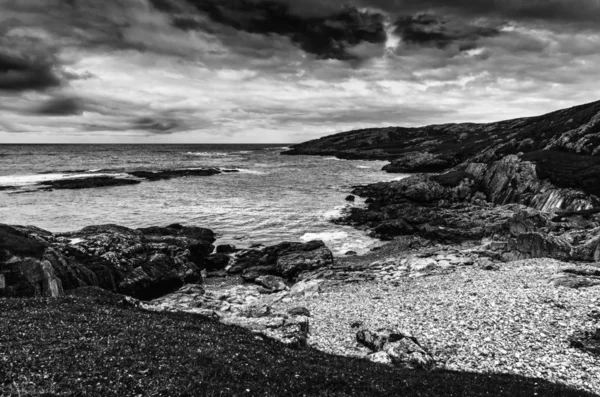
[491, 266]
[530, 186]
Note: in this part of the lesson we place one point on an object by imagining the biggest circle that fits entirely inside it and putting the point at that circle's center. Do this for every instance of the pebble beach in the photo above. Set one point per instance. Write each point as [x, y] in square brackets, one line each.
[510, 320]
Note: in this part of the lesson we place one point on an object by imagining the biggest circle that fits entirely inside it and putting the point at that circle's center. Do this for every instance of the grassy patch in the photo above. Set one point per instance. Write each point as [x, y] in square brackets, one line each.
[89, 345]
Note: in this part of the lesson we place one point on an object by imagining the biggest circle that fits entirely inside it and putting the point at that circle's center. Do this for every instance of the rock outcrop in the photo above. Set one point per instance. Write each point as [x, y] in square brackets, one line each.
[288, 260]
[143, 263]
[505, 202]
[549, 163]
[395, 347]
[107, 178]
[86, 183]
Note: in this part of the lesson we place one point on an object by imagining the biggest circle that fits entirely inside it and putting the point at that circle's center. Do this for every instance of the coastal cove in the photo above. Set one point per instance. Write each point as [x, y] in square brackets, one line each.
[491, 265]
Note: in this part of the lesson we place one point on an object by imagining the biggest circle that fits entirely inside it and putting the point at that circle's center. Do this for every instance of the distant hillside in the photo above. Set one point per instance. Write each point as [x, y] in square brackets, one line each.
[562, 144]
[574, 130]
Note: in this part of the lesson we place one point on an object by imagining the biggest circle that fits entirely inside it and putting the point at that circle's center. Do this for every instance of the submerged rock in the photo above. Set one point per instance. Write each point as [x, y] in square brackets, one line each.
[89, 182]
[174, 173]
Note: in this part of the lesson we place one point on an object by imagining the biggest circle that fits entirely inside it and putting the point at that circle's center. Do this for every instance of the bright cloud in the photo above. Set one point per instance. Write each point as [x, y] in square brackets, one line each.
[274, 71]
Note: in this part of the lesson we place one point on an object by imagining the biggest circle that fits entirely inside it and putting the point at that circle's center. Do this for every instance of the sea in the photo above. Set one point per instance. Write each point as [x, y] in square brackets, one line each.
[273, 197]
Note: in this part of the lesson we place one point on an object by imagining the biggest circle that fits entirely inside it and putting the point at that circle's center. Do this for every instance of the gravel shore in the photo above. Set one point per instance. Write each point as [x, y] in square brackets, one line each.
[507, 321]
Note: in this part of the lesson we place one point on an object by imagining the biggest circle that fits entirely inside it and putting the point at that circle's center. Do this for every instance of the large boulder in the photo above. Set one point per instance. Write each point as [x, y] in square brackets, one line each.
[217, 261]
[143, 263]
[291, 264]
[25, 267]
[287, 259]
[396, 347]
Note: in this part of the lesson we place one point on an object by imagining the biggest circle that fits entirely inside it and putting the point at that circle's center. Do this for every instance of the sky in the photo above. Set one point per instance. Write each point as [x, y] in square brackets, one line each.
[284, 71]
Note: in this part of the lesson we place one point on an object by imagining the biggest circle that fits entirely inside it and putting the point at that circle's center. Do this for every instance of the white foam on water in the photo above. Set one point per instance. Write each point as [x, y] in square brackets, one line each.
[210, 154]
[27, 180]
[401, 177]
[253, 172]
[24, 180]
[278, 148]
[332, 158]
[341, 242]
[335, 213]
[363, 166]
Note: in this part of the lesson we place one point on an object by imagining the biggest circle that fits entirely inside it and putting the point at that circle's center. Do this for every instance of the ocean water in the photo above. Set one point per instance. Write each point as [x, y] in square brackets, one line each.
[272, 198]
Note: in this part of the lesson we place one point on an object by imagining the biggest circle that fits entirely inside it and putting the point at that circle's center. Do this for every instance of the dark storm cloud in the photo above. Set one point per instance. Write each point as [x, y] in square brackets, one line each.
[587, 11]
[549, 10]
[19, 73]
[327, 37]
[156, 125]
[430, 30]
[61, 107]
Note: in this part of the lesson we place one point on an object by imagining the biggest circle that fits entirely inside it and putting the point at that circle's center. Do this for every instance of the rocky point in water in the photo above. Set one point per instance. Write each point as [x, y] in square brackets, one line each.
[135, 177]
[529, 185]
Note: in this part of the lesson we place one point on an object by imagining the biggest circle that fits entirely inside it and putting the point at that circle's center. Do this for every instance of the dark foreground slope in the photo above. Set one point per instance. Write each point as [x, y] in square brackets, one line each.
[90, 344]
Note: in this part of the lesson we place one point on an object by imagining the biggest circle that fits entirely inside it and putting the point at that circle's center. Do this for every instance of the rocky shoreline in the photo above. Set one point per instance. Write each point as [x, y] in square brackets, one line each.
[492, 264]
[380, 306]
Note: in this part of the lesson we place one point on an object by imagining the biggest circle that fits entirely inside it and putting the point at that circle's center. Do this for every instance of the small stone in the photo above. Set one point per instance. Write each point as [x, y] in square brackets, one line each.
[299, 311]
[356, 324]
[380, 358]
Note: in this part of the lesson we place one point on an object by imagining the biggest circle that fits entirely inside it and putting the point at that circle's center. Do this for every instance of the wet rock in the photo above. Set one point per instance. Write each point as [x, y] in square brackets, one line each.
[289, 259]
[174, 173]
[291, 264]
[216, 262]
[350, 198]
[225, 249]
[88, 182]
